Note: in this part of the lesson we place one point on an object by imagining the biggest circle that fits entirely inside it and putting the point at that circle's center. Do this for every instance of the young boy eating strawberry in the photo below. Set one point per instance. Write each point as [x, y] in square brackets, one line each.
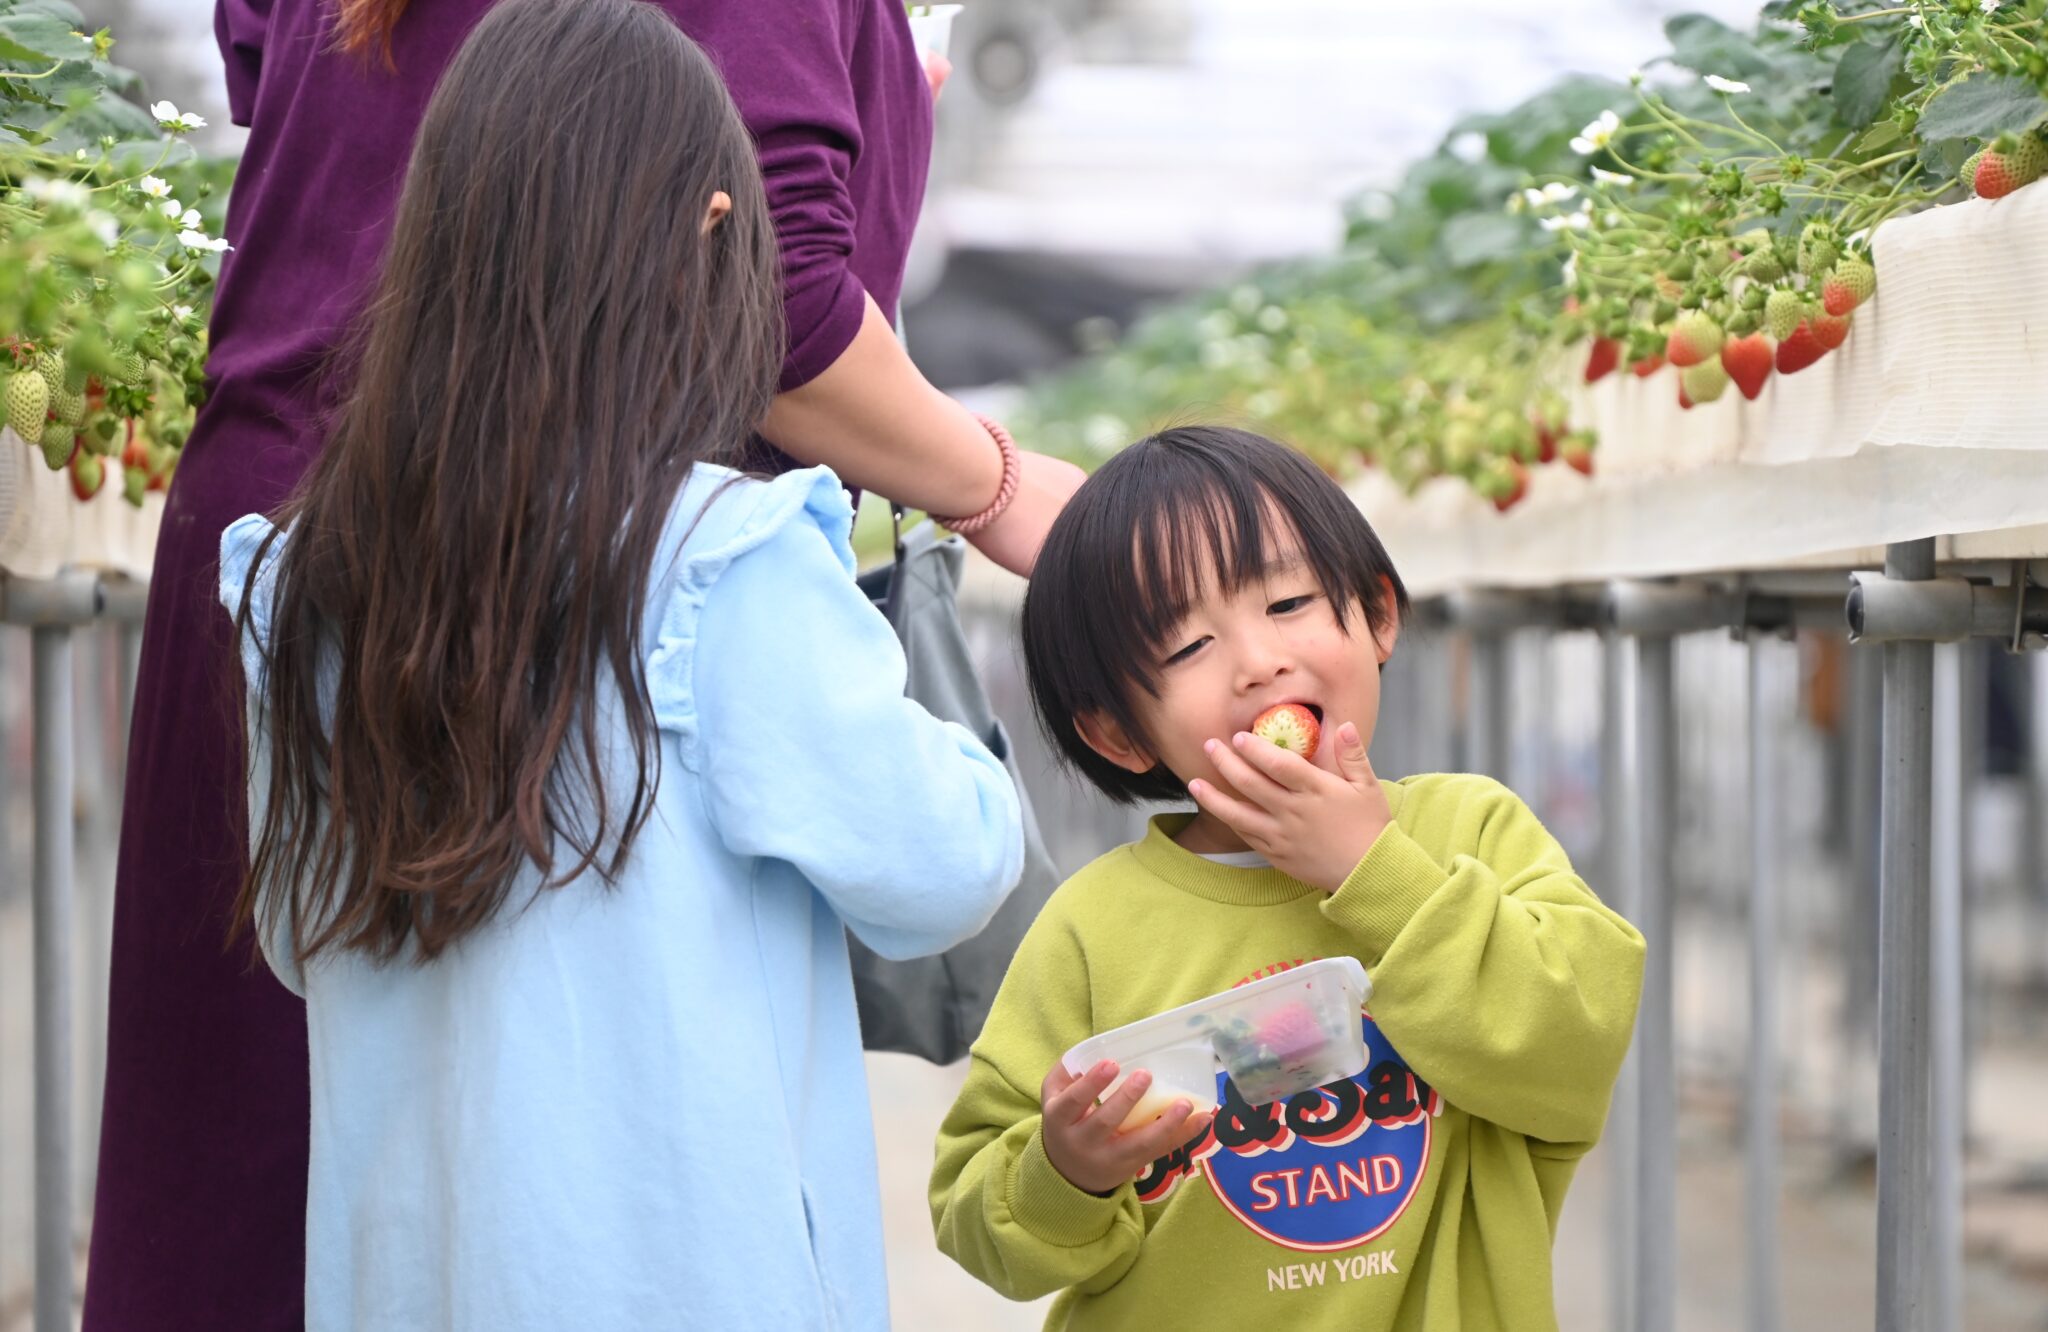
[1206, 583]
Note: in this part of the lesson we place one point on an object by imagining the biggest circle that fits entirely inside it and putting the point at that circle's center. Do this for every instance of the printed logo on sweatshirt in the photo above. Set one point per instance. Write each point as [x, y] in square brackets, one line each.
[1327, 1169]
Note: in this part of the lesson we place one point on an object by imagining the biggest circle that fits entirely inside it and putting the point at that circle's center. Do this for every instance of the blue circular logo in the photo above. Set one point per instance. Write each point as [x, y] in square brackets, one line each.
[1327, 1169]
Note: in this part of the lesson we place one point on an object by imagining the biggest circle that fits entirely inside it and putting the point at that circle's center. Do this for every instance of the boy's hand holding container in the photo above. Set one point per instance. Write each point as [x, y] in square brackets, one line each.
[1085, 1141]
[1313, 824]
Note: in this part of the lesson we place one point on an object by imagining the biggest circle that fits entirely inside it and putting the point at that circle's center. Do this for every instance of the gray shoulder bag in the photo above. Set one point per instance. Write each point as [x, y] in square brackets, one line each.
[933, 1007]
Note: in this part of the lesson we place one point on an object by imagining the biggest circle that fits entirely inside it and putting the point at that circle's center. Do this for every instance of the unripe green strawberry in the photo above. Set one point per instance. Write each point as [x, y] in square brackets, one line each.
[59, 442]
[1968, 175]
[51, 367]
[28, 405]
[99, 435]
[68, 406]
[2000, 173]
[1849, 285]
[1782, 313]
[130, 368]
[1694, 338]
[134, 484]
[1705, 381]
[1817, 252]
[1763, 266]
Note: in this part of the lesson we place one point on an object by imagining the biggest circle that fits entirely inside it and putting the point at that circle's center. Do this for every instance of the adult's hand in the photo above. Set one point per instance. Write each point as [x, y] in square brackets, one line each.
[1044, 485]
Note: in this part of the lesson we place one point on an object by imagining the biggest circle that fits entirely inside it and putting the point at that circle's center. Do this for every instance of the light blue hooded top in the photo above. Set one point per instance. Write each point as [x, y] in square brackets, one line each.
[644, 1106]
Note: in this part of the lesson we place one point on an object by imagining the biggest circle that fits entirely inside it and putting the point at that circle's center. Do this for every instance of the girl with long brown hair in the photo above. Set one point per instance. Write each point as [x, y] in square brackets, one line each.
[573, 752]
[198, 1219]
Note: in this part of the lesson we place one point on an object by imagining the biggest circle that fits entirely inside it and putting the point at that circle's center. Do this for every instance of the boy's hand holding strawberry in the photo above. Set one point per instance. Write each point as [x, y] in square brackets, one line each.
[1312, 824]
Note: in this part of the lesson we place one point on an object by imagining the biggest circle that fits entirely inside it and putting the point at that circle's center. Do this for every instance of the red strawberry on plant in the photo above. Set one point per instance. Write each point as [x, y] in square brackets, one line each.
[1506, 484]
[1748, 362]
[1646, 367]
[1577, 451]
[1799, 350]
[1291, 726]
[1694, 338]
[87, 474]
[1830, 331]
[1602, 359]
[1684, 403]
[2006, 166]
[1546, 442]
[1849, 285]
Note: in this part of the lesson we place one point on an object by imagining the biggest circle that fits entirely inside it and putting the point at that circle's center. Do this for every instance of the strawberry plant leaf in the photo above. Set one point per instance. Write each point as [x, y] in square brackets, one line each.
[1471, 239]
[1708, 46]
[1863, 81]
[38, 39]
[1984, 105]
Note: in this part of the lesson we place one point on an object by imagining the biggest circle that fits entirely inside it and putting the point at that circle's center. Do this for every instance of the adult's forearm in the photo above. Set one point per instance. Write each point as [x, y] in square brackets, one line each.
[872, 418]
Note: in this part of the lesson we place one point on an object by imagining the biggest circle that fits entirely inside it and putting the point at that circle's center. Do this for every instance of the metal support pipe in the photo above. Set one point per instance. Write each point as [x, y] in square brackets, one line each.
[1853, 1125]
[1656, 1208]
[1618, 861]
[1946, 968]
[1884, 608]
[1492, 710]
[1904, 1069]
[52, 885]
[1761, 1114]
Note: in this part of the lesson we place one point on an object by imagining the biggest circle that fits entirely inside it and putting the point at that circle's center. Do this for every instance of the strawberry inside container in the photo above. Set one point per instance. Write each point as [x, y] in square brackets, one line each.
[1275, 1037]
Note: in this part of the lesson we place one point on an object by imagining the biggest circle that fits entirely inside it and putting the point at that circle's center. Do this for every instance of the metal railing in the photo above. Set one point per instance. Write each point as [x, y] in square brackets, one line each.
[1905, 610]
[54, 611]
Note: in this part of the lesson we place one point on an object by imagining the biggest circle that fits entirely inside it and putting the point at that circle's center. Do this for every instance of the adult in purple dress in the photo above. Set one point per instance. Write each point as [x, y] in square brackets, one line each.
[200, 1216]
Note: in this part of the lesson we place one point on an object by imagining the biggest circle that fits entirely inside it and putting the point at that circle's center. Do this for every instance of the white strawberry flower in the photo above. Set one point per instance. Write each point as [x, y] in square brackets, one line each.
[191, 220]
[199, 240]
[1606, 177]
[1597, 135]
[1721, 85]
[171, 209]
[183, 312]
[177, 122]
[57, 193]
[104, 226]
[1565, 222]
[156, 187]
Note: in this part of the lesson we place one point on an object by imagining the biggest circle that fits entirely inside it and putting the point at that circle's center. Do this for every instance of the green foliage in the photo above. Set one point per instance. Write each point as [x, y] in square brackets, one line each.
[108, 222]
[1465, 301]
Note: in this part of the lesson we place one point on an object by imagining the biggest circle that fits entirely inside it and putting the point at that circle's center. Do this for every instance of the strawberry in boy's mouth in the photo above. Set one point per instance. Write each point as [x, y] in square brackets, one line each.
[1295, 727]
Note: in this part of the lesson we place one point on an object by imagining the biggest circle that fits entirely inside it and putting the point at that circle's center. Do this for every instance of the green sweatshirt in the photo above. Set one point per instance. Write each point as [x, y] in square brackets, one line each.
[1422, 1194]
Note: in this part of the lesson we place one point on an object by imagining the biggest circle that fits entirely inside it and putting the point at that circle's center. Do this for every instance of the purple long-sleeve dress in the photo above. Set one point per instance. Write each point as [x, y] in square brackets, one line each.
[200, 1217]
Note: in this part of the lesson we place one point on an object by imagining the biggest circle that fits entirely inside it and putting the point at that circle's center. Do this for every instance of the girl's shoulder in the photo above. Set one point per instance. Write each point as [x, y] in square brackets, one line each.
[720, 515]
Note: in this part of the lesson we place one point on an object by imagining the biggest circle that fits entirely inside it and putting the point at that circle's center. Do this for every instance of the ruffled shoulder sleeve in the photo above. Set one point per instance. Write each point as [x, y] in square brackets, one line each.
[240, 545]
[729, 517]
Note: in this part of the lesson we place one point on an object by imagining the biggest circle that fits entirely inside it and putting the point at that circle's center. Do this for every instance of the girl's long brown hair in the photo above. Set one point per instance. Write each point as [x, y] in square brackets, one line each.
[553, 342]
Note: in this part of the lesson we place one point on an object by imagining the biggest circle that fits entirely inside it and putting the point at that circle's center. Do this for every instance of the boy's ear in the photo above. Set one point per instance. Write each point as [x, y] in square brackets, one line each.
[1385, 637]
[1101, 734]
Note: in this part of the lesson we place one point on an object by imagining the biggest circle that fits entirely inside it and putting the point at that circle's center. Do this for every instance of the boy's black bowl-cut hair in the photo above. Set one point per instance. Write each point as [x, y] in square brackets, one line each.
[1131, 552]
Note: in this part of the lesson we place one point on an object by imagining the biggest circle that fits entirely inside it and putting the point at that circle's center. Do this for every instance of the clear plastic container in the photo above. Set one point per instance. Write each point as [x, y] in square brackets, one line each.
[1276, 1037]
[931, 27]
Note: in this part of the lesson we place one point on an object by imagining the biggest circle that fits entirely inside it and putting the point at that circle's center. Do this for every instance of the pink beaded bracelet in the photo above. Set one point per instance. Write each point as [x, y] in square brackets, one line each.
[1006, 492]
